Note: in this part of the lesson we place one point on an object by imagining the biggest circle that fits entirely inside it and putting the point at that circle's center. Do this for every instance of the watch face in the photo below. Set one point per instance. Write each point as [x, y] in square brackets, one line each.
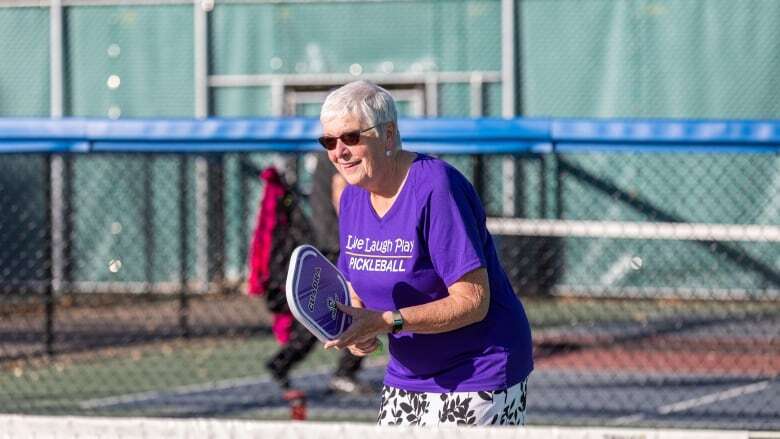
[314, 286]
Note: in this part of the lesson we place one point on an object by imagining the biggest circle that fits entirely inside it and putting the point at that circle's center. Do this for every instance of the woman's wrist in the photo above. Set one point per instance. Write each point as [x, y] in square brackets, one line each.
[394, 321]
[387, 317]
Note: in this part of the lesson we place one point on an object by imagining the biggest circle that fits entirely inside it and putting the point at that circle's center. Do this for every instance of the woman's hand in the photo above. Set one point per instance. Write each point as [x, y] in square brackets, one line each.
[361, 336]
[364, 348]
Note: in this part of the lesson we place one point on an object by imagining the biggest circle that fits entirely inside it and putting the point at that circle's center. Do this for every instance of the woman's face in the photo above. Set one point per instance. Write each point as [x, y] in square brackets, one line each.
[361, 164]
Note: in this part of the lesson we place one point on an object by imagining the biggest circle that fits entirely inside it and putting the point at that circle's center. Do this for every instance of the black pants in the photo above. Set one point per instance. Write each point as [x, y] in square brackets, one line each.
[298, 346]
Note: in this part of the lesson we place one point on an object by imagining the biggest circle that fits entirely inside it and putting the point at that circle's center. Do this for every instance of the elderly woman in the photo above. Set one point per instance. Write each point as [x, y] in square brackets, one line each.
[423, 269]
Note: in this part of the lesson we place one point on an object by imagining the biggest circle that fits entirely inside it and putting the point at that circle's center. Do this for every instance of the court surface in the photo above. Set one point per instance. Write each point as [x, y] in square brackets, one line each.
[651, 365]
[604, 399]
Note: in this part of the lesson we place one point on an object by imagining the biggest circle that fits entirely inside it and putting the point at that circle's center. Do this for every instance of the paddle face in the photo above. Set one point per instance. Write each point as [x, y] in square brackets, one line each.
[314, 285]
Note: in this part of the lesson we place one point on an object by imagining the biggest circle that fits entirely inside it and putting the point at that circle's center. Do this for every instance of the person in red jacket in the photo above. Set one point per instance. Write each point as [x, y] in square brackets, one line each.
[281, 226]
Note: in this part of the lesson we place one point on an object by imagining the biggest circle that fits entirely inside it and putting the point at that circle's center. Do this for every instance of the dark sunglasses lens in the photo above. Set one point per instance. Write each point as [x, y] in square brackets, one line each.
[351, 139]
[328, 142]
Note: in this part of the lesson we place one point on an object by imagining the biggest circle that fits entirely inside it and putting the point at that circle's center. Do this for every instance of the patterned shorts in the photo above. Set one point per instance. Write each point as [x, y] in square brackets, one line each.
[500, 407]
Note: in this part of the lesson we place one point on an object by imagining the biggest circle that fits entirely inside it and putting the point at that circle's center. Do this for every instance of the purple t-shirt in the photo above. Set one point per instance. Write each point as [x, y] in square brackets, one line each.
[433, 234]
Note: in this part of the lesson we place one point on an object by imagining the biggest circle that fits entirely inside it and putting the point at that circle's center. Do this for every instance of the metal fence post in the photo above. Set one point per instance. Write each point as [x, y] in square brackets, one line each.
[183, 248]
[55, 179]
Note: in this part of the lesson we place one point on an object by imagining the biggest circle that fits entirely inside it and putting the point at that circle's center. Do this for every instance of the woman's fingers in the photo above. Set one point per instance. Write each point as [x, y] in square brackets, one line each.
[358, 352]
[366, 342]
[346, 309]
[348, 337]
[369, 344]
[355, 343]
[363, 348]
[366, 325]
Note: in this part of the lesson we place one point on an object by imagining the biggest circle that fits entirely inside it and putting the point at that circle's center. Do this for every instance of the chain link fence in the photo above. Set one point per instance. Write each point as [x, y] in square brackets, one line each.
[650, 276]
[642, 271]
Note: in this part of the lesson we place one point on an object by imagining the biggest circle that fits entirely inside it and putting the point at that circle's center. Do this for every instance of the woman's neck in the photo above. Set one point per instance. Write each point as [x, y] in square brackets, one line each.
[382, 198]
[396, 176]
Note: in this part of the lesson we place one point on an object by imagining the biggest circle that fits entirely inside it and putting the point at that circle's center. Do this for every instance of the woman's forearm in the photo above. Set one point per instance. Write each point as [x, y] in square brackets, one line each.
[467, 303]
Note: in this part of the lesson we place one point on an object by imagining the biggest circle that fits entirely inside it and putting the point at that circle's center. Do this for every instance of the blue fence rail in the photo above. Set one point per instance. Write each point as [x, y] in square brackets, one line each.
[450, 136]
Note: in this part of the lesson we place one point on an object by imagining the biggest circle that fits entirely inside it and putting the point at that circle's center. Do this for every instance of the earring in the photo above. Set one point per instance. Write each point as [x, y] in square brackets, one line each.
[388, 152]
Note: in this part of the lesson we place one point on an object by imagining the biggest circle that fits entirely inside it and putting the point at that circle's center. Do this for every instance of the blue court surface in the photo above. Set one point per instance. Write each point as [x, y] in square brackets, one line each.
[625, 400]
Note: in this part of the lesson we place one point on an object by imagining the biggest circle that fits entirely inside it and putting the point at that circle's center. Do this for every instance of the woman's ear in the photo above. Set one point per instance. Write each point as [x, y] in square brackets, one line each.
[390, 134]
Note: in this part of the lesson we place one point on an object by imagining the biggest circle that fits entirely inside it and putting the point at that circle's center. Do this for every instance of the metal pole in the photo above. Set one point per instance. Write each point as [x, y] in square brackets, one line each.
[477, 93]
[55, 59]
[508, 52]
[509, 199]
[201, 55]
[559, 175]
[55, 176]
[148, 222]
[202, 223]
[200, 28]
[277, 98]
[183, 248]
[431, 96]
[476, 110]
[48, 295]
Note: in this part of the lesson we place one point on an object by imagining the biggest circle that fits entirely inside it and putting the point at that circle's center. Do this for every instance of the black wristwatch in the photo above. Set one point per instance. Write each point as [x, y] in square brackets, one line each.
[398, 322]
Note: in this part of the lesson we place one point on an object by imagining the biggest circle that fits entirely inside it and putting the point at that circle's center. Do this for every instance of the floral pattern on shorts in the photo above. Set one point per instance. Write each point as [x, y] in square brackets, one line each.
[500, 407]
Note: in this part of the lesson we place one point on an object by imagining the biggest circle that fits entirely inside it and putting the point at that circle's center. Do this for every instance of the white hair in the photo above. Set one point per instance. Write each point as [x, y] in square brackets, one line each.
[371, 103]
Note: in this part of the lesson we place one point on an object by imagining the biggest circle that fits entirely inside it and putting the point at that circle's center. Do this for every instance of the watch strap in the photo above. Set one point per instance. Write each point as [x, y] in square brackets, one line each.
[398, 322]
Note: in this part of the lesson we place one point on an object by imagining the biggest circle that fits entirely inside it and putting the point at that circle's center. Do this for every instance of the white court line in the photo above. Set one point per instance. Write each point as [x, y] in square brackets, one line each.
[696, 402]
[148, 396]
[626, 420]
[214, 386]
[713, 397]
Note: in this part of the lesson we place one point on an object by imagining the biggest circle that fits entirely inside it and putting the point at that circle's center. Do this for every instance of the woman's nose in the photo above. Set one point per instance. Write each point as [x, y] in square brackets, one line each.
[342, 150]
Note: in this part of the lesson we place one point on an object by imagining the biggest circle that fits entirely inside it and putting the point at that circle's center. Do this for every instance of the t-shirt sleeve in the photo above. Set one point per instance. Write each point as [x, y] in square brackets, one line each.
[455, 228]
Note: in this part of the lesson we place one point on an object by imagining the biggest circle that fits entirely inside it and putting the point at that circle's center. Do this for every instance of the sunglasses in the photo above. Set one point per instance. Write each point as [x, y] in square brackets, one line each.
[350, 139]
